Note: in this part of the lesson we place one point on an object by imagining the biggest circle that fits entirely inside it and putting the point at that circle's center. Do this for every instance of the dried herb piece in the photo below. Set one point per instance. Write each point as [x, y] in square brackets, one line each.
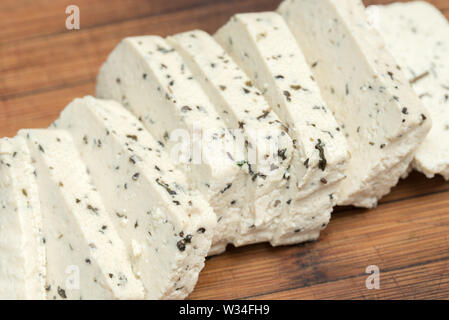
[186, 108]
[281, 153]
[391, 75]
[421, 76]
[181, 245]
[166, 187]
[228, 186]
[306, 163]
[62, 293]
[91, 208]
[241, 163]
[264, 114]
[288, 96]
[323, 162]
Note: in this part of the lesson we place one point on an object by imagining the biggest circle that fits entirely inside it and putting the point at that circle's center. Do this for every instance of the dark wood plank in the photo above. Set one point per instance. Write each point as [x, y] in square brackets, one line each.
[423, 281]
[25, 19]
[71, 57]
[397, 237]
[38, 110]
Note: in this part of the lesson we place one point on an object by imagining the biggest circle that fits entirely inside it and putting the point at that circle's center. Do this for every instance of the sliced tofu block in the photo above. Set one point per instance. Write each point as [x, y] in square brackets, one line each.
[22, 250]
[383, 120]
[153, 80]
[85, 257]
[148, 77]
[283, 75]
[243, 106]
[166, 227]
[417, 34]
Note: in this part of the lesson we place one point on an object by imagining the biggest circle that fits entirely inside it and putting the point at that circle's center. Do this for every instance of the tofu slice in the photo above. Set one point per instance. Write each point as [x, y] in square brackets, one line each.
[284, 77]
[383, 120]
[417, 34]
[147, 71]
[243, 109]
[166, 227]
[85, 257]
[243, 106]
[22, 250]
[149, 78]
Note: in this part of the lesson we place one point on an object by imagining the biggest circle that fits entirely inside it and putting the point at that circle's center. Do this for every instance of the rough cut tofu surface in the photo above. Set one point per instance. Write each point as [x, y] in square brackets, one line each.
[417, 34]
[151, 79]
[22, 250]
[383, 120]
[166, 227]
[243, 106]
[155, 83]
[85, 257]
[283, 75]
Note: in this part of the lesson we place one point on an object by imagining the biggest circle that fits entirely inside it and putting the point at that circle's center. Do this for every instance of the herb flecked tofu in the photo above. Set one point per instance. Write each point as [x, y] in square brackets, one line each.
[151, 79]
[85, 257]
[166, 226]
[417, 34]
[22, 250]
[278, 205]
[284, 77]
[154, 81]
[382, 118]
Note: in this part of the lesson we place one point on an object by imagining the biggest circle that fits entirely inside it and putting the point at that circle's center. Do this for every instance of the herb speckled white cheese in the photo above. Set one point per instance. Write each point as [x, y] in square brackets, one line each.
[383, 120]
[417, 34]
[244, 107]
[166, 227]
[22, 250]
[85, 257]
[151, 79]
[157, 76]
[283, 75]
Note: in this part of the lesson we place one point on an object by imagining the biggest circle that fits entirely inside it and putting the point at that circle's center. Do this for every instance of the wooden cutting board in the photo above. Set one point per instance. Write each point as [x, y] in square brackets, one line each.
[43, 67]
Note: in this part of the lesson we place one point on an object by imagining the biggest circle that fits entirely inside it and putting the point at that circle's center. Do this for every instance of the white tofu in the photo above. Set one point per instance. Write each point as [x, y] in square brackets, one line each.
[383, 120]
[85, 257]
[417, 34]
[22, 250]
[166, 227]
[148, 77]
[283, 75]
[147, 71]
[243, 106]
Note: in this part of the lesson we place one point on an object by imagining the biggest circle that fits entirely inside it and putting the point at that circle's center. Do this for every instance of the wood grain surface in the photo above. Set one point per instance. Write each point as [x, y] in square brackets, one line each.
[43, 67]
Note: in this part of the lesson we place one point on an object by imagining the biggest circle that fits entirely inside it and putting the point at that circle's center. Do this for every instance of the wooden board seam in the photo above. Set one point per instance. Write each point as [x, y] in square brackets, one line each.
[423, 263]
